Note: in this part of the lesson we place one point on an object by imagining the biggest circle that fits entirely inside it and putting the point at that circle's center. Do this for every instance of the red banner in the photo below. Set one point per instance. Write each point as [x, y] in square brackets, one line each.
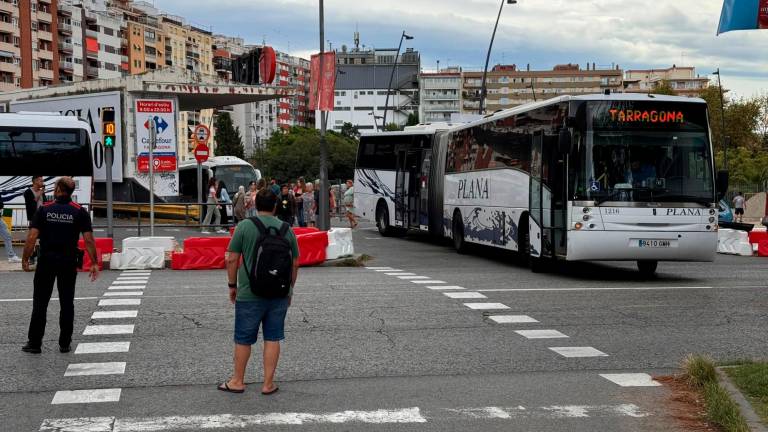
[163, 163]
[322, 98]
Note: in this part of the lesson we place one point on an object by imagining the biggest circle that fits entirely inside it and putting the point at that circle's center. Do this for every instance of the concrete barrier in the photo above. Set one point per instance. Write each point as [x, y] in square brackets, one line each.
[733, 242]
[167, 243]
[139, 258]
[340, 243]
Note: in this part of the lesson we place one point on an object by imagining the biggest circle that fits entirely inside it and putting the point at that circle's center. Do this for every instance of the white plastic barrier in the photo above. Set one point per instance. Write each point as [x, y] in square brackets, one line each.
[340, 243]
[733, 242]
[167, 243]
[138, 258]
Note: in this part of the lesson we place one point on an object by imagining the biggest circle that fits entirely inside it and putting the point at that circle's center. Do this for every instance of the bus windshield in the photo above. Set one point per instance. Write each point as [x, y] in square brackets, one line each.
[235, 176]
[48, 151]
[654, 162]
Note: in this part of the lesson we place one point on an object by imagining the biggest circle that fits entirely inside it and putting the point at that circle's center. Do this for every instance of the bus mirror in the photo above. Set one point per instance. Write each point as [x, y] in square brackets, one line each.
[564, 141]
[721, 184]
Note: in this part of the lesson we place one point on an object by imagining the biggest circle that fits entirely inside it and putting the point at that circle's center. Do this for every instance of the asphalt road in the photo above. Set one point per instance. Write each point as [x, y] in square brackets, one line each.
[366, 350]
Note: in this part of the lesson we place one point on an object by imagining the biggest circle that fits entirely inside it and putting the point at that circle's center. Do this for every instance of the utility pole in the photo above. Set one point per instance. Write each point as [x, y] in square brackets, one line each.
[152, 141]
[488, 56]
[324, 223]
[392, 75]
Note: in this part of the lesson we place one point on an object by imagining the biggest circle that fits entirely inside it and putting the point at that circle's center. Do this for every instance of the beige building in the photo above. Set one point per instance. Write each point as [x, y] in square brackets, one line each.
[683, 80]
[508, 87]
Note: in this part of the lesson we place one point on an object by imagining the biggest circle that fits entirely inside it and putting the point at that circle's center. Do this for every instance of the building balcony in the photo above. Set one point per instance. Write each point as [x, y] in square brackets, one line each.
[9, 67]
[44, 35]
[66, 46]
[91, 33]
[8, 7]
[66, 66]
[44, 17]
[4, 87]
[45, 74]
[65, 28]
[6, 27]
[91, 71]
[9, 48]
[64, 10]
[45, 54]
[440, 97]
[92, 54]
[442, 108]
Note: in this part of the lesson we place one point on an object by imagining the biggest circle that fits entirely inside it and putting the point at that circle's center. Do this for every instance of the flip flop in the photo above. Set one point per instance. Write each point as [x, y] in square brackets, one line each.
[273, 391]
[225, 388]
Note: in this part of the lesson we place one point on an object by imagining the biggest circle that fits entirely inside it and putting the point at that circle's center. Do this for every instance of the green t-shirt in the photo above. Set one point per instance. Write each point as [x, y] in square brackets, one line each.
[244, 241]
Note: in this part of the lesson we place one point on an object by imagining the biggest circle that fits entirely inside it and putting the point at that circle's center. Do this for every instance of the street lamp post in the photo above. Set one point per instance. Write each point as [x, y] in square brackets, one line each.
[488, 56]
[722, 120]
[324, 223]
[392, 75]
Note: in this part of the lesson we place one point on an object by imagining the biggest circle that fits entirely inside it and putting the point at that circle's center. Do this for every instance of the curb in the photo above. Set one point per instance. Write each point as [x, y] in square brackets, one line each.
[332, 263]
[753, 420]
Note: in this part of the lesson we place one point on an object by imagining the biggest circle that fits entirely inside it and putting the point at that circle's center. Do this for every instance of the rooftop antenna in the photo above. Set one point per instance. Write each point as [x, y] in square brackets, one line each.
[357, 39]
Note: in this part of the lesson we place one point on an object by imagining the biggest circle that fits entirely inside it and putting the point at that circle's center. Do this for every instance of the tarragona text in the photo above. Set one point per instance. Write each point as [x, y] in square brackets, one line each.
[647, 116]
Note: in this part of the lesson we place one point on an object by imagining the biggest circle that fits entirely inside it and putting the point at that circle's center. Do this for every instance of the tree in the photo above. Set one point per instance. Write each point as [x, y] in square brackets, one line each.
[392, 127]
[413, 119]
[350, 131]
[664, 88]
[741, 120]
[228, 139]
[296, 153]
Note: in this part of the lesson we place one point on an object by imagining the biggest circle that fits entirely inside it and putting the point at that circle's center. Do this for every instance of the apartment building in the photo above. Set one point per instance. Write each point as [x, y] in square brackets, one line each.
[28, 35]
[226, 48]
[683, 80]
[507, 86]
[362, 83]
[439, 95]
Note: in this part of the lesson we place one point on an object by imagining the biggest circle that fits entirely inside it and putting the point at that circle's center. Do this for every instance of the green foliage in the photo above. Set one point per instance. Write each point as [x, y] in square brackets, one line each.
[741, 120]
[664, 88]
[699, 370]
[752, 379]
[350, 131]
[721, 409]
[392, 127]
[413, 119]
[228, 139]
[745, 165]
[296, 153]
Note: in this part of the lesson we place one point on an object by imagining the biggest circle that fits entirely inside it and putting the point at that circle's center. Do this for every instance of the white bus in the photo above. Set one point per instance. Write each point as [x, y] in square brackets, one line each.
[616, 177]
[45, 144]
[233, 171]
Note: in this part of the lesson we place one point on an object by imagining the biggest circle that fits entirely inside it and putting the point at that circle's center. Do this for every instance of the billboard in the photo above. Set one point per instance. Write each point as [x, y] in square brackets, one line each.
[164, 154]
[88, 108]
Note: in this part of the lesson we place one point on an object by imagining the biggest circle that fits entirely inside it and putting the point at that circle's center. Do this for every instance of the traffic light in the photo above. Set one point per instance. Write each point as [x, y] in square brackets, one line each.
[108, 127]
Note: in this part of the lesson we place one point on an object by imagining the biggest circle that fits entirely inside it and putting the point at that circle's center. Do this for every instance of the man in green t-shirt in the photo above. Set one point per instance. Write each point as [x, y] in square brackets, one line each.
[252, 311]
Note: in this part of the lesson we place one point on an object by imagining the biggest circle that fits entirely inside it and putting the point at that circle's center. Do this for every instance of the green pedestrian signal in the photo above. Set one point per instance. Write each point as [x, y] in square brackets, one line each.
[109, 141]
[108, 127]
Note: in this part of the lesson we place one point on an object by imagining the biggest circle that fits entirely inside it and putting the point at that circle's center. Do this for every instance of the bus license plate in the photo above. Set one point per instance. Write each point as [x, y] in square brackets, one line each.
[655, 243]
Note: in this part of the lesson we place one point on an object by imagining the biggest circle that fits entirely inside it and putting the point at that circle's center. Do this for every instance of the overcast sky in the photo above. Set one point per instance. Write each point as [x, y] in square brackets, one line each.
[632, 34]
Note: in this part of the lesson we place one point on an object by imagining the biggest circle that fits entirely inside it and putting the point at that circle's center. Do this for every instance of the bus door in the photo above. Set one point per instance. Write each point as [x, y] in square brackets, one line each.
[407, 187]
[555, 178]
[540, 201]
[423, 214]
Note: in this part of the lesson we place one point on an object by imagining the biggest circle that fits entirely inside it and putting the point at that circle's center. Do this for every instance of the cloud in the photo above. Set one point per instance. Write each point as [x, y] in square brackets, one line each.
[537, 32]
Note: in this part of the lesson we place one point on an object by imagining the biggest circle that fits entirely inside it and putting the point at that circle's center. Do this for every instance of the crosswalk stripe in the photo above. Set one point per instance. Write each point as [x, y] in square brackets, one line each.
[490, 306]
[400, 274]
[119, 302]
[137, 271]
[540, 334]
[133, 278]
[388, 270]
[632, 379]
[125, 282]
[108, 329]
[115, 314]
[123, 293]
[445, 287]
[512, 319]
[377, 268]
[578, 352]
[464, 295]
[128, 287]
[85, 369]
[412, 277]
[102, 347]
[85, 396]
[427, 281]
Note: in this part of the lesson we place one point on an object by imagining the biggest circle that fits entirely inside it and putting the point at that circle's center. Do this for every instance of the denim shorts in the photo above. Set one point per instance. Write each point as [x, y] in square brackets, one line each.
[269, 313]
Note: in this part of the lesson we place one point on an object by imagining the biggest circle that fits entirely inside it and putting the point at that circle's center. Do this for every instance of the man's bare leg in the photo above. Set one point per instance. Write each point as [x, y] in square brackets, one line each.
[242, 354]
[271, 356]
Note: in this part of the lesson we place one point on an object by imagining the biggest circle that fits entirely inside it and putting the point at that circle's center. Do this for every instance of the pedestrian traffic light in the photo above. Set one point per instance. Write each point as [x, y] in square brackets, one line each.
[108, 128]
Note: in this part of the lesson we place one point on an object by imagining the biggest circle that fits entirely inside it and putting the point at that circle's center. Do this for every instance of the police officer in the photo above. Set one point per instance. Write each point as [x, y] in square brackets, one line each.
[58, 225]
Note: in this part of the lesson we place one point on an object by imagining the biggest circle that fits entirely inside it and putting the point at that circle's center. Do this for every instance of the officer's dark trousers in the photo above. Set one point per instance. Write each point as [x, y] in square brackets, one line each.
[61, 269]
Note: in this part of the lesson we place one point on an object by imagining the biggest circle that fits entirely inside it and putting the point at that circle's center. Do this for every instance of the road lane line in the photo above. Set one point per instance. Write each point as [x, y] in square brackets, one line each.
[428, 281]
[540, 334]
[644, 288]
[108, 329]
[388, 270]
[102, 347]
[445, 287]
[631, 379]
[464, 295]
[123, 293]
[52, 298]
[399, 273]
[412, 277]
[87, 369]
[86, 396]
[115, 314]
[119, 302]
[512, 319]
[546, 412]
[377, 268]
[486, 306]
[578, 352]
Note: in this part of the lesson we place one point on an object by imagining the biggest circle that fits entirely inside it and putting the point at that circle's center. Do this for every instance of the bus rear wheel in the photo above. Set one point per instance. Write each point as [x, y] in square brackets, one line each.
[382, 222]
[458, 234]
[647, 268]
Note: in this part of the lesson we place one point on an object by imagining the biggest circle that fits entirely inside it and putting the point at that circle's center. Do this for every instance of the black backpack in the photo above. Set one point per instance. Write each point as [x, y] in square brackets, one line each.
[272, 271]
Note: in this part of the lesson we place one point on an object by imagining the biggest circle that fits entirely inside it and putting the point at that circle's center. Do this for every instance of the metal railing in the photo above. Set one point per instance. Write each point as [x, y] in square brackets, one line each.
[188, 215]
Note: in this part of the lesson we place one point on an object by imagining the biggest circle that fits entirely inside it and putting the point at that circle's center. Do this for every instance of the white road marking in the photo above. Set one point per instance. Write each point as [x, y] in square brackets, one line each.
[632, 379]
[412, 277]
[115, 314]
[230, 421]
[128, 287]
[512, 319]
[374, 238]
[399, 273]
[481, 306]
[445, 287]
[119, 302]
[133, 278]
[102, 347]
[85, 396]
[137, 271]
[464, 295]
[52, 298]
[638, 288]
[125, 282]
[377, 268]
[83, 369]
[427, 281]
[549, 412]
[540, 334]
[388, 270]
[123, 293]
[108, 329]
[578, 352]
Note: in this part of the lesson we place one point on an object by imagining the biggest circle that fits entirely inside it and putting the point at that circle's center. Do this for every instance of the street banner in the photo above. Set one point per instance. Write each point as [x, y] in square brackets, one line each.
[322, 100]
[743, 15]
[164, 153]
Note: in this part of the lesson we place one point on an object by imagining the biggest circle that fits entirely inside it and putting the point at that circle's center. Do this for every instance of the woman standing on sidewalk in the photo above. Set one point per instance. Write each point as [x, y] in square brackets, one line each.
[349, 203]
[239, 204]
[212, 213]
[309, 205]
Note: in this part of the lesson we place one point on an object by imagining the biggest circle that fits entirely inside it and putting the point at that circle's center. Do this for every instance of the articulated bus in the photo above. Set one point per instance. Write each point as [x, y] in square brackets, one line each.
[615, 177]
[46, 144]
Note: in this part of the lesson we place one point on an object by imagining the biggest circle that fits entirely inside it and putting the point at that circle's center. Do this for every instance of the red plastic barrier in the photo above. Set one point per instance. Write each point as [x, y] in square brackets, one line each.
[232, 231]
[312, 247]
[87, 261]
[104, 245]
[304, 230]
[755, 237]
[762, 248]
[201, 253]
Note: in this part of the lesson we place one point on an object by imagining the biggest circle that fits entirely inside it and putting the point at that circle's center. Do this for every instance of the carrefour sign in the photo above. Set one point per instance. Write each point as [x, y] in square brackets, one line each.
[160, 114]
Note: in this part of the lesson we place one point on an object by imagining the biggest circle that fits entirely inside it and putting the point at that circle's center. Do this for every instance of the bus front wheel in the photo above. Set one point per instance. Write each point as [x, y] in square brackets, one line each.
[647, 268]
[382, 222]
